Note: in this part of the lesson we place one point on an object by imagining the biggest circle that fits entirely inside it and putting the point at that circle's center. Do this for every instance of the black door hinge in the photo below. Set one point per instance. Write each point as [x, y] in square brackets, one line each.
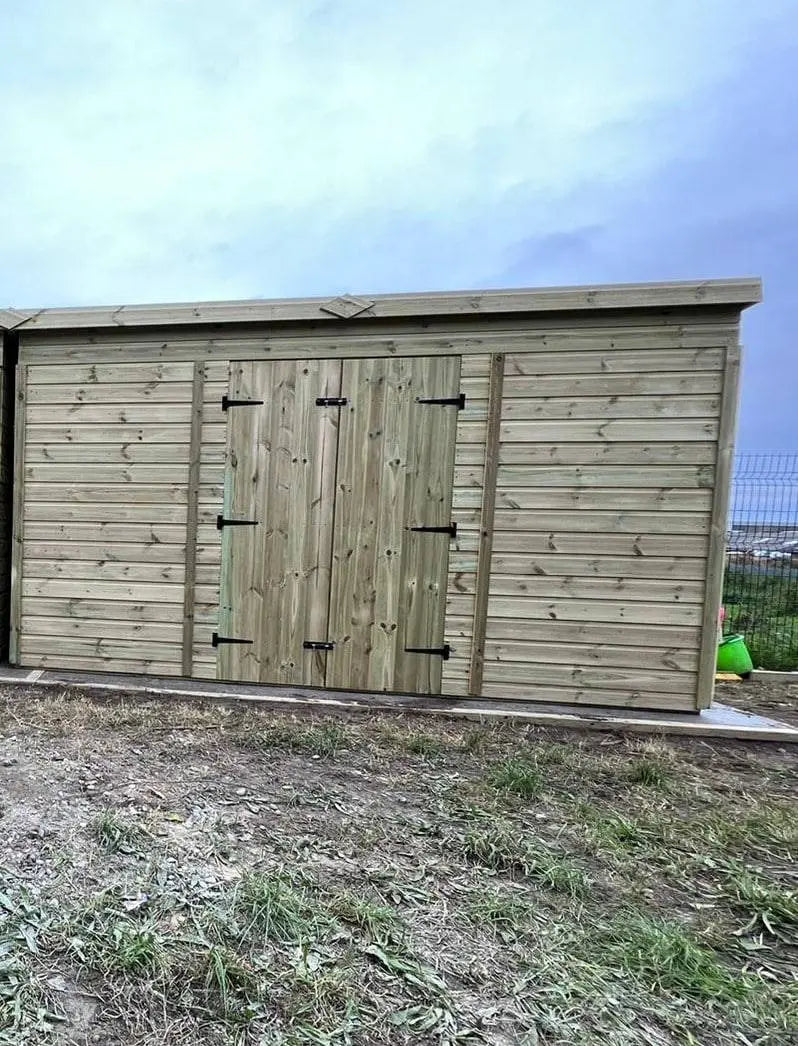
[450, 529]
[221, 522]
[447, 401]
[227, 403]
[442, 651]
[217, 640]
[311, 644]
[331, 401]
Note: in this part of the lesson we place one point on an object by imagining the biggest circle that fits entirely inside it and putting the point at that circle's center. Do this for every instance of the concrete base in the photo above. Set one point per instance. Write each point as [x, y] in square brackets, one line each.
[718, 721]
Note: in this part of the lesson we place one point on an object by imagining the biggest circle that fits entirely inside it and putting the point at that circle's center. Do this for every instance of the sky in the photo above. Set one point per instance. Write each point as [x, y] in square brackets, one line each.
[184, 150]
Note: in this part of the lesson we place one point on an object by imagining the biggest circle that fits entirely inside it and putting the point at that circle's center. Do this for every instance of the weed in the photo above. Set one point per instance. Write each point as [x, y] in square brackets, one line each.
[499, 848]
[134, 950]
[283, 910]
[420, 743]
[773, 907]
[231, 984]
[667, 958]
[326, 740]
[502, 913]
[647, 771]
[380, 922]
[115, 834]
[517, 776]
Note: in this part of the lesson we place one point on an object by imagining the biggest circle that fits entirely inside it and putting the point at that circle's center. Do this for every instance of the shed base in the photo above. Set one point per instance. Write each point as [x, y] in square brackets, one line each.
[718, 721]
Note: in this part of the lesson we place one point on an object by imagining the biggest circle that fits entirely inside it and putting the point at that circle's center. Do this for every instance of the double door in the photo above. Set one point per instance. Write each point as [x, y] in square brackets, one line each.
[335, 528]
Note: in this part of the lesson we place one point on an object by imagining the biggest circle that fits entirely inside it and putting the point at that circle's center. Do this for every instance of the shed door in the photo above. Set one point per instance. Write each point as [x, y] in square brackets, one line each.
[335, 522]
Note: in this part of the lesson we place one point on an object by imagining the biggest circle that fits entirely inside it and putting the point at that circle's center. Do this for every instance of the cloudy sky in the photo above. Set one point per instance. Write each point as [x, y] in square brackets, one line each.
[163, 150]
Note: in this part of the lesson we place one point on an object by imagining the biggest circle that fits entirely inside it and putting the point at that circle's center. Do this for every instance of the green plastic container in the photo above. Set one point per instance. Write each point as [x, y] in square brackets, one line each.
[733, 656]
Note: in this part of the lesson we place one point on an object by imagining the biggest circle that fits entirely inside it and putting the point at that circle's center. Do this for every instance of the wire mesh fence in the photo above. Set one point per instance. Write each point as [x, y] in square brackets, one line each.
[761, 583]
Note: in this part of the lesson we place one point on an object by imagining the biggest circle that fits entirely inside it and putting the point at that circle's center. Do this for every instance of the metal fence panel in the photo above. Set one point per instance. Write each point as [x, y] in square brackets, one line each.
[761, 583]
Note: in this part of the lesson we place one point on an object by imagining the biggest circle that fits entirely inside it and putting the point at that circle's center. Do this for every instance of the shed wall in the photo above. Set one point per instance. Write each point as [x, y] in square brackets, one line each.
[605, 451]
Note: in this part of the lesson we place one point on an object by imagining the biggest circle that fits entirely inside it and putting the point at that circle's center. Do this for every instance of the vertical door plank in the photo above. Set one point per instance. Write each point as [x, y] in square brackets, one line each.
[192, 510]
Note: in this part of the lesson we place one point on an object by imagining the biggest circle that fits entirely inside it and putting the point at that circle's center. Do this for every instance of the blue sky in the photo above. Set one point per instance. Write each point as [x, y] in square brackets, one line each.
[162, 150]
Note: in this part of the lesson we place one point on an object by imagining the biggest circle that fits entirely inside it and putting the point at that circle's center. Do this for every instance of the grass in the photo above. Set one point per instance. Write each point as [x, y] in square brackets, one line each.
[305, 881]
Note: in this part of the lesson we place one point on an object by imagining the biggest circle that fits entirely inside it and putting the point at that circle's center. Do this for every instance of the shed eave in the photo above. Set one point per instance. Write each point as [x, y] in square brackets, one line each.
[740, 292]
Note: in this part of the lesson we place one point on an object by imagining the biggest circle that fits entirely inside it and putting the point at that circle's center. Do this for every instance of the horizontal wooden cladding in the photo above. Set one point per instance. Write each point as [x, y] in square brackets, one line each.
[638, 545]
[568, 608]
[102, 570]
[655, 681]
[109, 532]
[125, 454]
[673, 430]
[557, 564]
[606, 359]
[129, 413]
[128, 552]
[614, 407]
[589, 634]
[57, 656]
[646, 589]
[54, 433]
[96, 512]
[77, 490]
[104, 374]
[589, 498]
[102, 649]
[578, 476]
[595, 697]
[603, 522]
[657, 384]
[133, 476]
[593, 453]
[114, 398]
[674, 659]
[87, 588]
[103, 628]
[51, 599]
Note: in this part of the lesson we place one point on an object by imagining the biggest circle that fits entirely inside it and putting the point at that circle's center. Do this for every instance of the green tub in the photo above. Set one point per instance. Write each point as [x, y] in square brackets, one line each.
[733, 656]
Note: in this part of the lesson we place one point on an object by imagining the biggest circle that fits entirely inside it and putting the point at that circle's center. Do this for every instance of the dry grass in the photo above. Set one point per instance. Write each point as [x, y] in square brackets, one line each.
[210, 875]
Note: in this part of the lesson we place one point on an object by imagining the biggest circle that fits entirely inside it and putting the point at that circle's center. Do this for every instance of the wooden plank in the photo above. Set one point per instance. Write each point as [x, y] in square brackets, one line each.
[718, 528]
[645, 589]
[99, 650]
[19, 529]
[674, 430]
[557, 564]
[564, 543]
[686, 477]
[65, 606]
[578, 499]
[108, 414]
[114, 476]
[114, 455]
[56, 659]
[551, 408]
[77, 589]
[110, 533]
[606, 655]
[654, 681]
[90, 512]
[99, 570]
[110, 374]
[597, 297]
[67, 399]
[691, 524]
[487, 509]
[570, 360]
[172, 433]
[626, 383]
[603, 454]
[129, 493]
[584, 635]
[571, 609]
[193, 484]
[592, 696]
[92, 628]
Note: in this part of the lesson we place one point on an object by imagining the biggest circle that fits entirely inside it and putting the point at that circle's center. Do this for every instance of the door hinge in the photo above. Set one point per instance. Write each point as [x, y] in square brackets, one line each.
[446, 401]
[227, 403]
[311, 644]
[221, 522]
[217, 640]
[450, 529]
[331, 401]
[442, 651]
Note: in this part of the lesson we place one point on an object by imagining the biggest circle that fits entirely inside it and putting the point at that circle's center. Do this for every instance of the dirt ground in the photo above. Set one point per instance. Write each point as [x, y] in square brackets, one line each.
[771, 698]
[197, 874]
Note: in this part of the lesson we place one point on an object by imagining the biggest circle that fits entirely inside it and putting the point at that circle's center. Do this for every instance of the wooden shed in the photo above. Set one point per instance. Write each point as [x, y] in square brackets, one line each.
[514, 494]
